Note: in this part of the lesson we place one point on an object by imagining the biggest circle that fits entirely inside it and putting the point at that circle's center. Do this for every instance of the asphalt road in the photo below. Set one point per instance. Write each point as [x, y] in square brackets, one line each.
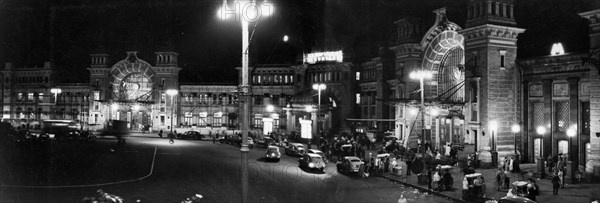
[151, 170]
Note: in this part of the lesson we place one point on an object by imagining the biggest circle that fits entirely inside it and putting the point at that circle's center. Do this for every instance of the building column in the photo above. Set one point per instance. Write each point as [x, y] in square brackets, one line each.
[526, 139]
[573, 118]
[548, 137]
[594, 154]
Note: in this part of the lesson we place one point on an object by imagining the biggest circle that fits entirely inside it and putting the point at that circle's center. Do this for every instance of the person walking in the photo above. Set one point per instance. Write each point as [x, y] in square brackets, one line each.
[160, 132]
[436, 181]
[499, 179]
[561, 176]
[555, 184]
[214, 138]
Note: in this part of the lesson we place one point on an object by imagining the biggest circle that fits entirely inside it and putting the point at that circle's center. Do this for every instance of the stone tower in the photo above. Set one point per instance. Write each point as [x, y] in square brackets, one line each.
[492, 75]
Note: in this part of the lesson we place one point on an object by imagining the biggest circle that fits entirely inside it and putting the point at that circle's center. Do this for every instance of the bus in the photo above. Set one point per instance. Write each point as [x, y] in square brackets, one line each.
[59, 129]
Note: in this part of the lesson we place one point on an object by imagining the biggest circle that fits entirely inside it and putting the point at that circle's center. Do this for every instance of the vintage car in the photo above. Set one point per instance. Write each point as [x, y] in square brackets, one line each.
[349, 164]
[273, 153]
[311, 162]
[265, 142]
[194, 135]
[295, 149]
[314, 151]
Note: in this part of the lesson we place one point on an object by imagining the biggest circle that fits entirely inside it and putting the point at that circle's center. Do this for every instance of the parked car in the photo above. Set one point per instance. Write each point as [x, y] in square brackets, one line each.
[194, 135]
[295, 149]
[312, 161]
[265, 142]
[319, 152]
[273, 153]
[349, 164]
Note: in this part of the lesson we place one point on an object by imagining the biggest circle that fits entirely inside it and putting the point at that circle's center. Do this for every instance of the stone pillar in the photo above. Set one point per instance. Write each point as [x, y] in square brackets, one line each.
[526, 138]
[548, 137]
[573, 118]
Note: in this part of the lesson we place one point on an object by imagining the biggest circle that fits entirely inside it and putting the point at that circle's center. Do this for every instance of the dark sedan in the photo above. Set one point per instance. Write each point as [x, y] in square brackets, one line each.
[194, 135]
[265, 142]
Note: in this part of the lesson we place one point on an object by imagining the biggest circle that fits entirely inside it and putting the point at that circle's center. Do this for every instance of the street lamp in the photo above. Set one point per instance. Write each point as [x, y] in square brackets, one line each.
[55, 91]
[172, 93]
[516, 128]
[493, 128]
[541, 130]
[422, 75]
[249, 11]
[571, 132]
[319, 87]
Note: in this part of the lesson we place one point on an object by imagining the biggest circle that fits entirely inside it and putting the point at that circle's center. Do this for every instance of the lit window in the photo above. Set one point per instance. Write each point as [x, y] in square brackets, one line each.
[557, 49]
[357, 75]
[357, 98]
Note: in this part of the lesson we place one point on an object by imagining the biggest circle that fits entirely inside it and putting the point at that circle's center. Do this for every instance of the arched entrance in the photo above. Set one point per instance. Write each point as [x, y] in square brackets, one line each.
[132, 88]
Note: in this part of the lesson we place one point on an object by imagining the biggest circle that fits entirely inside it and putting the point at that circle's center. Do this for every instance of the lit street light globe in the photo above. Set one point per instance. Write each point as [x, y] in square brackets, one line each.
[516, 128]
[285, 38]
[308, 108]
[571, 132]
[270, 108]
[540, 130]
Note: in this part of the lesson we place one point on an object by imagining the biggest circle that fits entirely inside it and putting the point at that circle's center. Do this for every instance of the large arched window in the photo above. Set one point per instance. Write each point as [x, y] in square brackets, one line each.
[135, 87]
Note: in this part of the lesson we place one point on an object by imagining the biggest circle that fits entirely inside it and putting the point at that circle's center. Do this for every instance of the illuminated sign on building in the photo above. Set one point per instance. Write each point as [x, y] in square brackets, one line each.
[218, 115]
[557, 49]
[312, 58]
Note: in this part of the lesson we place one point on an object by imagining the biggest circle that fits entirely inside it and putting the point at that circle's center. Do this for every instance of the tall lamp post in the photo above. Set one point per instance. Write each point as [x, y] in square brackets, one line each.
[493, 128]
[541, 130]
[319, 87]
[245, 11]
[571, 132]
[55, 91]
[172, 93]
[421, 75]
[516, 128]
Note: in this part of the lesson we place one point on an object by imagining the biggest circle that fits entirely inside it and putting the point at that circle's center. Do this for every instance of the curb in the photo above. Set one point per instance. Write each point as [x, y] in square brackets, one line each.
[393, 179]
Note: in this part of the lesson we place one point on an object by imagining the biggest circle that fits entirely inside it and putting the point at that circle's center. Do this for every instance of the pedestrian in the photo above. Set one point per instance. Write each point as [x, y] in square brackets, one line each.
[160, 132]
[361, 169]
[532, 190]
[429, 178]
[555, 183]
[436, 181]
[393, 164]
[510, 164]
[506, 179]
[386, 165]
[499, 179]
[561, 176]
[214, 138]
[402, 199]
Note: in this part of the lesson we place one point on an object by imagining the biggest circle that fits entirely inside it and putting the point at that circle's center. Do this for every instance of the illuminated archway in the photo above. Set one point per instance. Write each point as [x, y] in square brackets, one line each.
[131, 79]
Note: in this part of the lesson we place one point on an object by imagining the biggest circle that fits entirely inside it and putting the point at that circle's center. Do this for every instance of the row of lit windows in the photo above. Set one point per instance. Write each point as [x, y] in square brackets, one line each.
[39, 97]
[208, 98]
[272, 79]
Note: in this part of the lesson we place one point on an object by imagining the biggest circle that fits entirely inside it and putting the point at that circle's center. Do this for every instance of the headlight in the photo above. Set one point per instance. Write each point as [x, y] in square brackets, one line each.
[272, 154]
[312, 165]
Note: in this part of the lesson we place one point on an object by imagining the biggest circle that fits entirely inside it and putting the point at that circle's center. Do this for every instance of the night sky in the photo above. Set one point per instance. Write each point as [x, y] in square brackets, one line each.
[67, 31]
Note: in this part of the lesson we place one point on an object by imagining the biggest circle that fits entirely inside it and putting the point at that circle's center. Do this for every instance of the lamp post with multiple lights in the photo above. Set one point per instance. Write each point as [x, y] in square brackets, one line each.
[421, 75]
[245, 11]
[319, 87]
[172, 93]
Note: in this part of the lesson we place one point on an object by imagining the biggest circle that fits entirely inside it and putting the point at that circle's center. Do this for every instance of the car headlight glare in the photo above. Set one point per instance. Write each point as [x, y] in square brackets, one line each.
[312, 165]
[272, 154]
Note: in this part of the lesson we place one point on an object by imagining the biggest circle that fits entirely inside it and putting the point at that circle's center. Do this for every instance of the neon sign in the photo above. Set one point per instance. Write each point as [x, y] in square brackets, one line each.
[313, 58]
